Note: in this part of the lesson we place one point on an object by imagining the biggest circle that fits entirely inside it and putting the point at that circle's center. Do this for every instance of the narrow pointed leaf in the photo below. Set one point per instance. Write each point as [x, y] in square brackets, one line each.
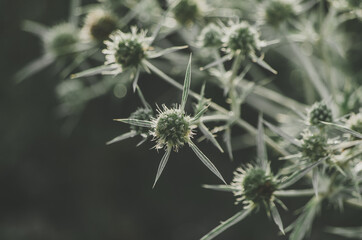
[346, 232]
[283, 134]
[228, 223]
[122, 137]
[92, 71]
[315, 179]
[343, 129]
[261, 150]
[276, 216]
[210, 136]
[294, 193]
[167, 51]
[199, 114]
[162, 165]
[217, 62]
[223, 188]
[227, 140]
[136, 122]
[187, 82]
[263, 64]
[34, 27]
[205, 160]
[299, 174]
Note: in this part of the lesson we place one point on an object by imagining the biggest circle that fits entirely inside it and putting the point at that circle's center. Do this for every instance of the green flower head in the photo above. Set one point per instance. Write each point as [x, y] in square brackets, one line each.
[211, 36]
[244, 38]
[314, 146]
[279, 11]
[320, 112]
[186, 12]
[141, 114]
[61, 39]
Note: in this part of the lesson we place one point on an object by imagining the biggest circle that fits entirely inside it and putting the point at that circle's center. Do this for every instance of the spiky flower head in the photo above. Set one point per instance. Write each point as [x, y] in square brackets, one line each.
[253, 185]
[141, 114]
[61, 39]
[243, 37]
[211, 36]
[314, 146]
[172, 128]
[279, 11]
[126, 49]
[320, 112]
[99, 24]
[186, 12]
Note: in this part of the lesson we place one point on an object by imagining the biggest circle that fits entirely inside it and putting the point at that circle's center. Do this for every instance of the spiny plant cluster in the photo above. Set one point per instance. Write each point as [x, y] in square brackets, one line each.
[314, 126]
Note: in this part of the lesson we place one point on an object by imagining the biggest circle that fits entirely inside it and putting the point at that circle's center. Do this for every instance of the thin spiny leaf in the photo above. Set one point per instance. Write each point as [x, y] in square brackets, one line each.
[122, 137]
[199, 114]
[135, 80]
[276, 216]
[228, 223]
[135, 122]
[205, 160]
[162, 165]
[261, 150]
[223, 188]
[343, 129]
[283, 134]
[167, 51]
[92, 71]
[210, 136]
[186, 87]
[143, 100]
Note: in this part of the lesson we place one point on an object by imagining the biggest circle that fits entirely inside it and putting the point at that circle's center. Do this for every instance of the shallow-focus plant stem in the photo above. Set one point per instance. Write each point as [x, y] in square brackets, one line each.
[238, 121]
[235, 104]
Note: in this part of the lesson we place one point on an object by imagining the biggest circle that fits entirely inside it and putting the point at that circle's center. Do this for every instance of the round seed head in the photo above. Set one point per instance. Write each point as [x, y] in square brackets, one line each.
[186, 12]
[211, 36]
[243, 37]
[320, 112]
[99, 24]
[314, 146]
[278, 11]
[61, 39]
[172, 128]
[141, 114]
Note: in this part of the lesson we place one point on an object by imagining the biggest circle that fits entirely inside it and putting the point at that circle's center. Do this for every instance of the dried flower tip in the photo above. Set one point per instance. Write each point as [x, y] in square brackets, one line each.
[211, 36]
[320, 112]
[125, 49]
[172, 128]
[141, 114]
[99, 24]
[243, 37]
[61, 39]
[278, 11]
[186, 12]
[314, 146]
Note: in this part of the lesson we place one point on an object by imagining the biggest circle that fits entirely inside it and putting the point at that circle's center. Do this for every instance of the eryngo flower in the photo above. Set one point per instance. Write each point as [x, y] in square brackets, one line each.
[318, 113]
[242, 37]
[61, 39]
[211, 36]
[172, 129]
[314, 146]
[99, 24]
[255, 186]
[277, 12]
[186, 12]
[127, 52]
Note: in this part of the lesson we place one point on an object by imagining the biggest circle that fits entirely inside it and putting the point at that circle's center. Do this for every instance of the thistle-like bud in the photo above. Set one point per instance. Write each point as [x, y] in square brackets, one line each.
[243, 37]
[61, 39]
[211, 36]
[172, 128]
[314, 146]
[320, 112]
[126, 49]
[99, 24]
[254, 185]
[141, 114]
[186, 12]
[278, 11]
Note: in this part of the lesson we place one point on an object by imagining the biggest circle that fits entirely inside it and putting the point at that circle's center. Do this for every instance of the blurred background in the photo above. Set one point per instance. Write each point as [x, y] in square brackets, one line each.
[57, 185]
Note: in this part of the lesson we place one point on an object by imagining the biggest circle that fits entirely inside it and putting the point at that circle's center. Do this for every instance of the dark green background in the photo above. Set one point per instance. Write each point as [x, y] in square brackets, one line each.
[75, 187]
